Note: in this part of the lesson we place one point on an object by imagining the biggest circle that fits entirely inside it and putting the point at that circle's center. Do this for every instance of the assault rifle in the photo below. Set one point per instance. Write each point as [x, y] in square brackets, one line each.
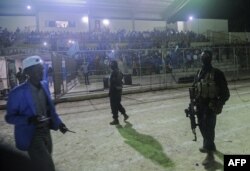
[192, 112]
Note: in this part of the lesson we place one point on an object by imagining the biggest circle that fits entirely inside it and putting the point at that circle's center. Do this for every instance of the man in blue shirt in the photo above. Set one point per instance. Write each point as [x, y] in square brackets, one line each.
[32, 112]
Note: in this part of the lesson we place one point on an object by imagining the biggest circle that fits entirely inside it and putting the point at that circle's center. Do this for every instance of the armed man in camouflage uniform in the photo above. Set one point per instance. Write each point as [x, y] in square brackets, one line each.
[211, 92]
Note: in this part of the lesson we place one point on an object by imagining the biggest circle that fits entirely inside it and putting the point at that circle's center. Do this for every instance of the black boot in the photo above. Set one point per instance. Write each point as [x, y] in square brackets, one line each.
[209, 158]
[114, 122]
[125, 116]
[203, 150]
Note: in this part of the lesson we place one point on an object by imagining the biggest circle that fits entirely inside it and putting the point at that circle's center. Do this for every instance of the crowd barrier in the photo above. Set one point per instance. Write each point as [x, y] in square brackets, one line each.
[141, 67]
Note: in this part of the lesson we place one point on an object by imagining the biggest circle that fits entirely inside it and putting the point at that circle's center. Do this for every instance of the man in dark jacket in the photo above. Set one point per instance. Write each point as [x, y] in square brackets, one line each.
[32, 111]
[115, 93]
[212, 92]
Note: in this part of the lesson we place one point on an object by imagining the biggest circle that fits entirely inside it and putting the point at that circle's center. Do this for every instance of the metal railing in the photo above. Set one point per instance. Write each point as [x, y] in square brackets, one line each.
[143, 67]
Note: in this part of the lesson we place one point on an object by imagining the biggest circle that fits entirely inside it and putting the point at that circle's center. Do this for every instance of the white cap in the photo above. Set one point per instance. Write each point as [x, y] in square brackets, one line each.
[32, 60]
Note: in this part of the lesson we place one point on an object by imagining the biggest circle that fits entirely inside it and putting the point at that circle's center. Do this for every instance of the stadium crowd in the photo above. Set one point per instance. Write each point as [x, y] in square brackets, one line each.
[104, 40]
[123, 44]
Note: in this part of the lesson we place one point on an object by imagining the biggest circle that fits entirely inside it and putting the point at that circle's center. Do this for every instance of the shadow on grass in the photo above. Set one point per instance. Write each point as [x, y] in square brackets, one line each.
[216, 165]
[220, 155]
[146, 145]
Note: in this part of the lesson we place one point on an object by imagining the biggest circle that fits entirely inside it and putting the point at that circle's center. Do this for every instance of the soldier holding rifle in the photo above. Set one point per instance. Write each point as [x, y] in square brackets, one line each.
[208, 95]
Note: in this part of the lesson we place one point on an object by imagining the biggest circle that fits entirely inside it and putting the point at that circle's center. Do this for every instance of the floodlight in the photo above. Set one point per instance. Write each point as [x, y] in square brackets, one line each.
[28, 7]
[71, 42]
[85, 19]
[105, 22]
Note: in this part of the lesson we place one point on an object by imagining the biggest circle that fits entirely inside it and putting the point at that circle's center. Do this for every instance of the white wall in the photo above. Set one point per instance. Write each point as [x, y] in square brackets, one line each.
[12, 22]
[203, 25]
[180, 26]
[116, 25]
[196, 25]
[138, 25]
[241, 37]
[172, 26]
[143, 25]
[52, 16]
[3, 74]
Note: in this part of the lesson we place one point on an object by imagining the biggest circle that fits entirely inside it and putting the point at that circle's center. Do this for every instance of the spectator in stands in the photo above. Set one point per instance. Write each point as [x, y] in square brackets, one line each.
[12, 79]
[85, 71]
[20, 76]
[31, 110]
[217, 55]
[134, 67]
[106, 65]
[105, 39]
[121, 65]
[50, 76]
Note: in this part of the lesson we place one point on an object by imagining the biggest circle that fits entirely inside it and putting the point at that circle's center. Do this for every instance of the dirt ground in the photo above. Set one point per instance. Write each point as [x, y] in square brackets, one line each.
[156, 117]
